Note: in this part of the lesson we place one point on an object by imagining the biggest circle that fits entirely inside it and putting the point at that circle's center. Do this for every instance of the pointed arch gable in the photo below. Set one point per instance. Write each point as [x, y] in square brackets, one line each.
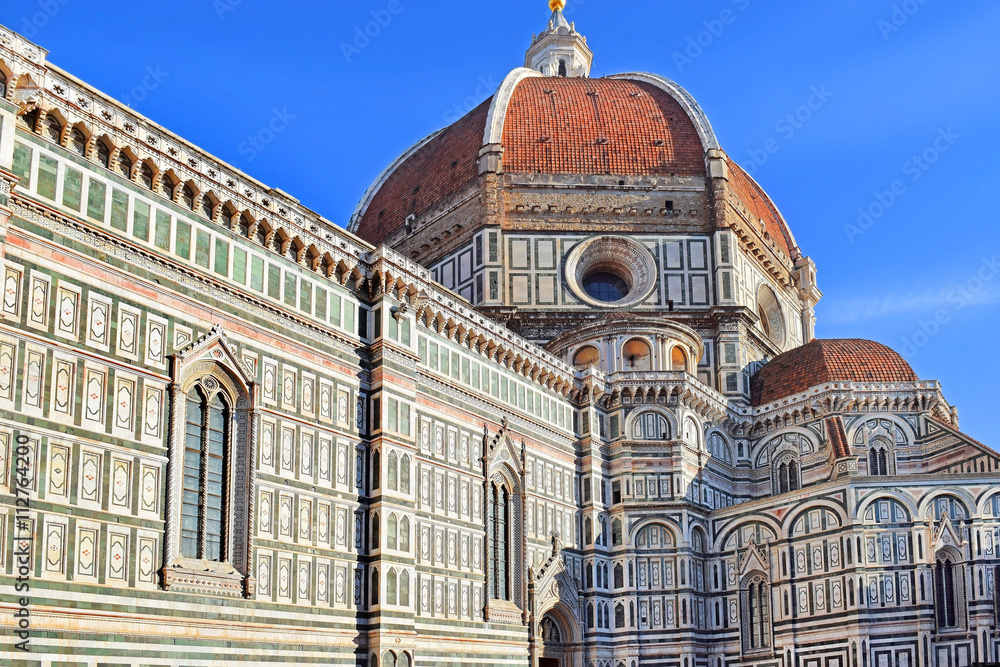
[565, 618]
[213, 347]
[762, 451]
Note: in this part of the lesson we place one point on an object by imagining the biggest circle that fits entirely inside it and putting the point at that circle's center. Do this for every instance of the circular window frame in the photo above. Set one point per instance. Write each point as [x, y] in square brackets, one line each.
[629, 260]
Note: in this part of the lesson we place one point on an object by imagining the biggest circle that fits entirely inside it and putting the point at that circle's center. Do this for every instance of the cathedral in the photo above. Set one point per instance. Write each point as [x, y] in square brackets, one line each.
[552, 399]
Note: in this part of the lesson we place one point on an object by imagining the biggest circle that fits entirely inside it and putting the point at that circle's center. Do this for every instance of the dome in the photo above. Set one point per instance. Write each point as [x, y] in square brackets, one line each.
[628, 125]
[598, 126]
[824, 361]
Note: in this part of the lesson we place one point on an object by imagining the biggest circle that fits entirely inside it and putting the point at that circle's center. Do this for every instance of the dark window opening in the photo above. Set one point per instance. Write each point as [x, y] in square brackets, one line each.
[205, 445]
[606, 287]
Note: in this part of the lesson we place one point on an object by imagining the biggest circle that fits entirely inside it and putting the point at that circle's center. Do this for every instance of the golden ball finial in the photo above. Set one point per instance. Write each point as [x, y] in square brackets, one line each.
[557, 5]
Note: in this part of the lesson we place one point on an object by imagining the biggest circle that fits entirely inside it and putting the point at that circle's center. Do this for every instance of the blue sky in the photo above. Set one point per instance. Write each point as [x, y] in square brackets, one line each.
[887, 181]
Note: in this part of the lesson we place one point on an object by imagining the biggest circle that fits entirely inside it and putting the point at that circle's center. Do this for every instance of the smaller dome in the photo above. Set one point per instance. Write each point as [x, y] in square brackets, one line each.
[823, 361]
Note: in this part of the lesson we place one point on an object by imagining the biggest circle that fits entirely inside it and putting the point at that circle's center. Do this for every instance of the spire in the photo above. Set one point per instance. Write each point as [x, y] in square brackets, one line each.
[560, 50]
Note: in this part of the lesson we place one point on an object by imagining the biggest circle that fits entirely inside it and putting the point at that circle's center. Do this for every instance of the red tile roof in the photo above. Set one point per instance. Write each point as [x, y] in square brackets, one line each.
[598, 126]
[823, 361]
[838, 438]
[441, 168]
[552, 126]
[760, 206]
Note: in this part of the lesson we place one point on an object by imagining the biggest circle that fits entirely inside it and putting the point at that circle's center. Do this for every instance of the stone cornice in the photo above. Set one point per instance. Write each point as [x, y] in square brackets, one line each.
[839, 397]
[77, 101]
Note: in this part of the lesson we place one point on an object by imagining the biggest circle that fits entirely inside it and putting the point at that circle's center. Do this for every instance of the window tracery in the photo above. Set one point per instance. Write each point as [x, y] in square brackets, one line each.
[756, 606]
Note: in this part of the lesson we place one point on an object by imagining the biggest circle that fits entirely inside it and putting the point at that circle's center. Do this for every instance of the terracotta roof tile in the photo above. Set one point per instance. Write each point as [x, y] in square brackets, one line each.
[553, 126]
[838, 438]
[760, 206]
[443, 167]
[598, 126]
[823, 361]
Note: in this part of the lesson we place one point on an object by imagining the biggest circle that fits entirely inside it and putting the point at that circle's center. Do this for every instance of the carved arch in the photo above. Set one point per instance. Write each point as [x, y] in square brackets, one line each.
[213, 360]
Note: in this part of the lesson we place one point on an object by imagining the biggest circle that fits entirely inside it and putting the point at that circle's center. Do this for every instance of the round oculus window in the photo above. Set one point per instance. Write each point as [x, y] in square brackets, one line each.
[611, 272]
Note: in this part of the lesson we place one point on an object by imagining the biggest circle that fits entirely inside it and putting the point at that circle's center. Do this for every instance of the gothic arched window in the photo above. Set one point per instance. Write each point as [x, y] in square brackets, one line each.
[879, 458]
[404, 534]
[392, 471]
[376, 470]
[948, 584]
[391, 532]
[786, 474]
[3, 85]
[404, 474]
[209, 476]
[499, 542]
[756, 606]
[651, 426]
[206, 446]
[390, 587]
[404, 588]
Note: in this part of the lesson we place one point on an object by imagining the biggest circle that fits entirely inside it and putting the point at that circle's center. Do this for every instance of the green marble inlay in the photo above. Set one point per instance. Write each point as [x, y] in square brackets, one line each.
[119, 210]
[162, 239]
[72, 189]
[305, 296]
[221, 257]
[290, 281]
[202, 249]
[182, 245]
[239, 264]
[140, 220]
[47, 172]
[321, 303]
[96, 200]
[273, 282]
[22, 164]
[257, 274]
[335, 310]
